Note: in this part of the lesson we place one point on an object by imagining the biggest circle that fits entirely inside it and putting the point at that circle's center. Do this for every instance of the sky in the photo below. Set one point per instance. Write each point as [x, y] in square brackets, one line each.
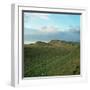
[51, 26]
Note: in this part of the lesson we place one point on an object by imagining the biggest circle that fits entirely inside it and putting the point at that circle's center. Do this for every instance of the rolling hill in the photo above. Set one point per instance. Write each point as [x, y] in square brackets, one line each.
[54, 58]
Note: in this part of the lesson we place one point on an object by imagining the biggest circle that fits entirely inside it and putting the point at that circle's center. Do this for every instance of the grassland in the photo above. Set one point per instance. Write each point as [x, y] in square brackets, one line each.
[54, 58]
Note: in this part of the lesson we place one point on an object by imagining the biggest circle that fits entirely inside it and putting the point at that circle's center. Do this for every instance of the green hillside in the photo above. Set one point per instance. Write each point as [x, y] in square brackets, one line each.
[54, 58]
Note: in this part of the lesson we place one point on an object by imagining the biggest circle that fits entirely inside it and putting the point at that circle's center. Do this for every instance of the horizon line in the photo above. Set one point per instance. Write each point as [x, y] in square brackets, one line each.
[33, 42]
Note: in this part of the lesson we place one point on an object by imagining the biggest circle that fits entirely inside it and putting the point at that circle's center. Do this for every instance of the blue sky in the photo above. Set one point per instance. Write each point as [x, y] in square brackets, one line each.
[47, 26]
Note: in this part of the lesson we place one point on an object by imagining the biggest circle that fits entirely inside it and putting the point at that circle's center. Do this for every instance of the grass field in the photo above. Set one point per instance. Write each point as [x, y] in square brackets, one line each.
[54, 58]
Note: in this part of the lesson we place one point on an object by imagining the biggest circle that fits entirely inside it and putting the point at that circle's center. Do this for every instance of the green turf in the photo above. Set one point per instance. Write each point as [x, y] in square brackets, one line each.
[51, 59]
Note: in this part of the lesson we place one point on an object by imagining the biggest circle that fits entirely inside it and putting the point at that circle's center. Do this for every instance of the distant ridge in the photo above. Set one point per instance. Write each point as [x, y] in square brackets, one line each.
[52, 43]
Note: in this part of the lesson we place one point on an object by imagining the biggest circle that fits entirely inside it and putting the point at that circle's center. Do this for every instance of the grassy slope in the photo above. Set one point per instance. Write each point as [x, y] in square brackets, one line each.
[51, 59]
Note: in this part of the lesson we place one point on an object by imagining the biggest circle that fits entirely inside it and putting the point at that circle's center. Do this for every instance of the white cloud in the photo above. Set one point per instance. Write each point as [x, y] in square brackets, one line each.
[42, 30]
[45, 30]
[41, 16]
[48, 29]
[44, 16]
[73, 29]
[30, 18]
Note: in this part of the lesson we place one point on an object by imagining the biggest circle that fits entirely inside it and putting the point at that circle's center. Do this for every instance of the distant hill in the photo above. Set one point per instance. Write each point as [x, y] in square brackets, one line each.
[52, 43]
[62, 41]
[41, 43]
